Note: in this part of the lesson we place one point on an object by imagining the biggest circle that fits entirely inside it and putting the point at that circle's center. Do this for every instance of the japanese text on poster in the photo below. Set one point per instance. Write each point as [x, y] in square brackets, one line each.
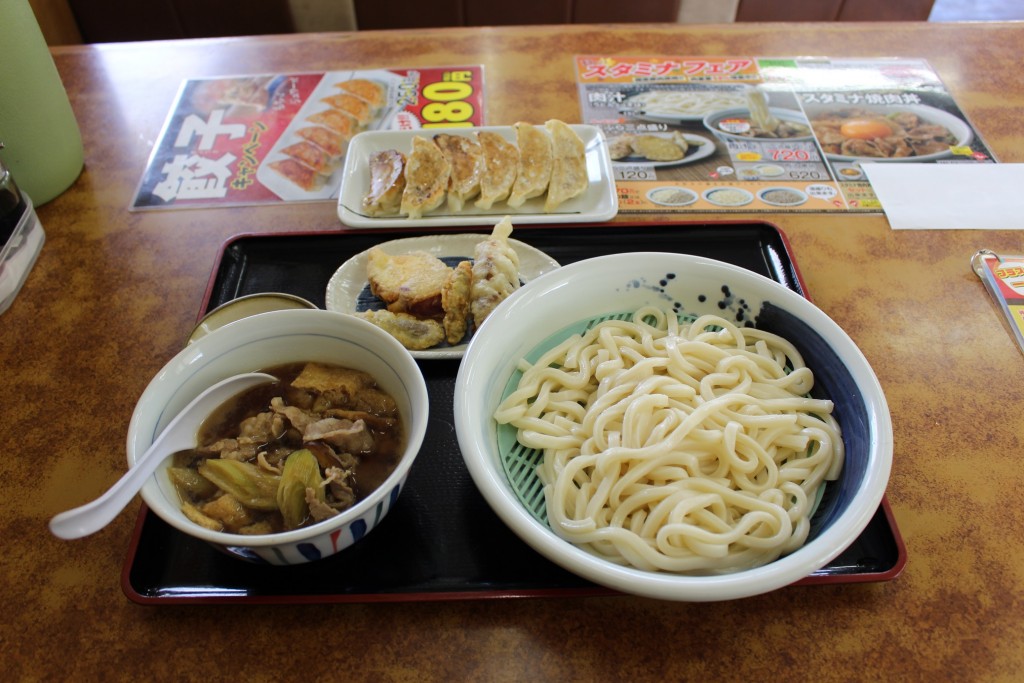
[743, 133]
[283, 137]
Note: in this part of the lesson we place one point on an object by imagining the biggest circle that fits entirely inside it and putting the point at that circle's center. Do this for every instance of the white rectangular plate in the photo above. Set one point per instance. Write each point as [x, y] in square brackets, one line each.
[599, 203]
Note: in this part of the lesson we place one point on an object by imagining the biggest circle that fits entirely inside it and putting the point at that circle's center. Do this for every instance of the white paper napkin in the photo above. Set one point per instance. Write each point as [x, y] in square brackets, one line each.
[963, 196]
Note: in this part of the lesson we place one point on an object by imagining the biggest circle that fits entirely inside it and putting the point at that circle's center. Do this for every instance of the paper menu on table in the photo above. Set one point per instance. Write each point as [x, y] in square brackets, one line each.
[660, 95]
[950, 196]
[1004, 279]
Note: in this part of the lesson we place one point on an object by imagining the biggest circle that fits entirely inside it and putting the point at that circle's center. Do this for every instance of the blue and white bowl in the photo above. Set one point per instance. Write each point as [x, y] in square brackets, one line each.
[263, 341]
[714, 123]
[625, 282]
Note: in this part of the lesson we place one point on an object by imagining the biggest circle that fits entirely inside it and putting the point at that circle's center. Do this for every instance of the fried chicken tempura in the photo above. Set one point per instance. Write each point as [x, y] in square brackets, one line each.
[455, 300]
[413, 333]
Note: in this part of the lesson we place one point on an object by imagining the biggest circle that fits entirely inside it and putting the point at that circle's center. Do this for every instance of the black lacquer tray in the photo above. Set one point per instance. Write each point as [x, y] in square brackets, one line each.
[441, 541]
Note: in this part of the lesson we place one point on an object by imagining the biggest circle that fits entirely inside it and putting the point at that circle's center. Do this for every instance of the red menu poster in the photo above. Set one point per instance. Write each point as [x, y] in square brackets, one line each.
[282, 137]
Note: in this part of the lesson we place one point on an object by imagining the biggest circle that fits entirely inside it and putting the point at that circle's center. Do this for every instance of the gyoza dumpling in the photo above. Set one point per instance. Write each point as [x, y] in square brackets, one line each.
[495, 272]
[359, 109]
[387, 183]
[371, 91]
[534, 170]
[426, 178]
[568, 165]
[330, 141]
[501, 159]
[467, 162]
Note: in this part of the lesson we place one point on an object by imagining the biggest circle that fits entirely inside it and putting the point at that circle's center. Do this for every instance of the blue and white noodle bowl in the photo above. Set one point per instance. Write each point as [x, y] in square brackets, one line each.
[696, 286]
[263, 341]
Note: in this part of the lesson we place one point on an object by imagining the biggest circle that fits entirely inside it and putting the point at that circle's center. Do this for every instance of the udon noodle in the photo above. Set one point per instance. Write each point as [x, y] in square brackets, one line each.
[687, 102]
[679, 447]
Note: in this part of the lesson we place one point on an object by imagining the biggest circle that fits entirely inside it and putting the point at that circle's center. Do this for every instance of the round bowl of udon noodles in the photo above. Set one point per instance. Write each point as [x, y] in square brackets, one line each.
[673, 427]
[295, 470]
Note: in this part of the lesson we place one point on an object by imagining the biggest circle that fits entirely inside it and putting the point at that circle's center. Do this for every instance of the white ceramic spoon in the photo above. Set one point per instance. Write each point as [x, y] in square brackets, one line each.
[179, 435]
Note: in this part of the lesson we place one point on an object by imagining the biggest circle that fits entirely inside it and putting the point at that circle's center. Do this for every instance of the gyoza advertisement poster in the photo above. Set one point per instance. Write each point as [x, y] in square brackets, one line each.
[283, 137]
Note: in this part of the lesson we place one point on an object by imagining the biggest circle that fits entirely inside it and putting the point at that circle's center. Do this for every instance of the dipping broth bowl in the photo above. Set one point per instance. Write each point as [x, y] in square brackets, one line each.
[263, 341]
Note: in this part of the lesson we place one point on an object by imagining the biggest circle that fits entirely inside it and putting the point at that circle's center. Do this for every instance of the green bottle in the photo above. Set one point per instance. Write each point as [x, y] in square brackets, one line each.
[42, 141]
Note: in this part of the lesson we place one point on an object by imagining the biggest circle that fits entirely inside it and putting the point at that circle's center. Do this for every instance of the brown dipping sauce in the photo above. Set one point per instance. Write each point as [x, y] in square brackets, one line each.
[337, 413]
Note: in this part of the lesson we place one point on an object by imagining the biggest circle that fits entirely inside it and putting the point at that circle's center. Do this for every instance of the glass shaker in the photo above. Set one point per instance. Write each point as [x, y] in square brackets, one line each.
[21, 237]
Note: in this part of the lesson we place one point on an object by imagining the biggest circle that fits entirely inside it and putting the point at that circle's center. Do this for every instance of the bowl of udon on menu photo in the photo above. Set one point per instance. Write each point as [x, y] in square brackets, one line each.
[297, 469]
[673, 427]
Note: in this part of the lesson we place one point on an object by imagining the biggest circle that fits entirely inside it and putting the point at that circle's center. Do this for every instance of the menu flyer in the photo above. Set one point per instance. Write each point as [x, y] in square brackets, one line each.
[1004, 279]
[282, 137]
[767, 134]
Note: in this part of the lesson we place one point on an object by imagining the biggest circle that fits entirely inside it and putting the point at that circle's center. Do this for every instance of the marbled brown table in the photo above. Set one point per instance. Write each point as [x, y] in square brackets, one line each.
[115, 292]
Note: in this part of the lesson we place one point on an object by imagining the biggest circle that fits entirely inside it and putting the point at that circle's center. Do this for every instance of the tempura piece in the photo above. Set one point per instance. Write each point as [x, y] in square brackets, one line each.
[455, 300]
[411, 332]
[355, 107]
[387, 182]
[495, 272]
[534, 171]
[568, 165]
[467, 161]
[501, 160]
[681, 140]
[658, 148]
[371, 91]
[426, 178]
[620, 147]
[408, 283]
